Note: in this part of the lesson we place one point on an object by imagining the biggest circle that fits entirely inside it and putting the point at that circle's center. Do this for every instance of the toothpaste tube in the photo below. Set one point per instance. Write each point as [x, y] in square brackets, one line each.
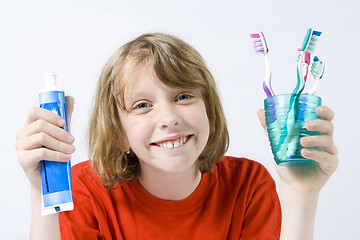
[55, 176]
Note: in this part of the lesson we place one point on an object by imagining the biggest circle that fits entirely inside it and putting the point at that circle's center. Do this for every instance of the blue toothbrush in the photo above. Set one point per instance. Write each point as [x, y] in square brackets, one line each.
[317, 71]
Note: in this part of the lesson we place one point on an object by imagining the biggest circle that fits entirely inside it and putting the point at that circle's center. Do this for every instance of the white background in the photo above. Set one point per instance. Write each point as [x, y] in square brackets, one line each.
[75, 39]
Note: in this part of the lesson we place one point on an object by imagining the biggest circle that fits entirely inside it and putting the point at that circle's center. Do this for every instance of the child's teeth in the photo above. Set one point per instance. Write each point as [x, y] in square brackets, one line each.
[173, 144]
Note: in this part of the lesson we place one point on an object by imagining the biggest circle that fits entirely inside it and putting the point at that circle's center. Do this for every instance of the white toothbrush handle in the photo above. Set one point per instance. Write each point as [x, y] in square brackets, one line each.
[267, 75]
[315, 86]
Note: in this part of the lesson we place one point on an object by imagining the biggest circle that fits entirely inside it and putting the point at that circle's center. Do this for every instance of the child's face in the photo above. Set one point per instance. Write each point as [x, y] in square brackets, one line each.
[167, 128]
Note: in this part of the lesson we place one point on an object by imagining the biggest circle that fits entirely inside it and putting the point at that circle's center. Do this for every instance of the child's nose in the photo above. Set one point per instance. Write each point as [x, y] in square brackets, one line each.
[169, 116]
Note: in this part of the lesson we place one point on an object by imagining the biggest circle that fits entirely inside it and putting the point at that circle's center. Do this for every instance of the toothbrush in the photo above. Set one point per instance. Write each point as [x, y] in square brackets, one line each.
[289, 129]
[310, 40]
[260, 46]
[309, 44]
[302, 71]
[317, 71]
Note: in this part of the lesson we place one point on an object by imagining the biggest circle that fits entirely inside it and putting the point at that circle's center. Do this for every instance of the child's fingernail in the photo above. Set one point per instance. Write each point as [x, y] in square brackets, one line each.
[305, 141]
[70, 138]
[65, 157]
[70, 149]
[61, 122]
[306, 153]
[310, 124]
[321, 109]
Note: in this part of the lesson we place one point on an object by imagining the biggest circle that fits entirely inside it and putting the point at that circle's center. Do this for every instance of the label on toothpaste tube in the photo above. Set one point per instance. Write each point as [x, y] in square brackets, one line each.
[55, 176]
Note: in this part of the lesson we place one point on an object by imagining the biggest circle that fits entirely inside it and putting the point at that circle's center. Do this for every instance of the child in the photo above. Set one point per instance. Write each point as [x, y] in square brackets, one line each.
[157, 138]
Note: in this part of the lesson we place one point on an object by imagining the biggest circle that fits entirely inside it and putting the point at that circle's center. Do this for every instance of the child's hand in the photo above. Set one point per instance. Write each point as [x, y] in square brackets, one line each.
[42, 129]
[307, 181]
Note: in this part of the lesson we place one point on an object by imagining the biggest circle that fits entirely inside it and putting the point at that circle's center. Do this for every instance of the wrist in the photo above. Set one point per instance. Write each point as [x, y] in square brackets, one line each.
[42, 227]
[290, 193]
[298, 212]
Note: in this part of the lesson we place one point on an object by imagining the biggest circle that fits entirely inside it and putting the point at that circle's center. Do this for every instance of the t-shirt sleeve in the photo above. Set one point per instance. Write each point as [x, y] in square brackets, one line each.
[257, 211]
[262, 219]
[80, 223]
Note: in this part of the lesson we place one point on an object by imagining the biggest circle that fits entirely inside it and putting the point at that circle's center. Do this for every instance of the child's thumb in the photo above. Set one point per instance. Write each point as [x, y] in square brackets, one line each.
[261, 116]
[69, 109]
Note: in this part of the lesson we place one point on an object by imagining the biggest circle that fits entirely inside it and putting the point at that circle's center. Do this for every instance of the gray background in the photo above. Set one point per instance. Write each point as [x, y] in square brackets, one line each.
[75, 39]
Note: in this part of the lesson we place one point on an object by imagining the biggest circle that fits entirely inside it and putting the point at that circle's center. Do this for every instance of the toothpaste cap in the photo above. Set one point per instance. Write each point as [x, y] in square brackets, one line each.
[51, 92]
[50, 82]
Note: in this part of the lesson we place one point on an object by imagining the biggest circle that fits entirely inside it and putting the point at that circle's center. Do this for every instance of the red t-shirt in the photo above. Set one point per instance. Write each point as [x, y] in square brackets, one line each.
[237, 201]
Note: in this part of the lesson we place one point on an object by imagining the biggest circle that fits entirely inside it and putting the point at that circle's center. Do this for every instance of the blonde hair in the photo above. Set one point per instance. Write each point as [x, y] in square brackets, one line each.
[176, 64]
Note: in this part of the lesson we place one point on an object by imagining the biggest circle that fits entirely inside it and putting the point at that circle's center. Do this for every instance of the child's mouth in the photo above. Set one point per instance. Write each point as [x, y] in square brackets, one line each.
[173, 143]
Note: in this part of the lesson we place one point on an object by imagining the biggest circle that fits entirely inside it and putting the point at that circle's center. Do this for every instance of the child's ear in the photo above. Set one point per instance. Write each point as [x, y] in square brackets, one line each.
[126, 149]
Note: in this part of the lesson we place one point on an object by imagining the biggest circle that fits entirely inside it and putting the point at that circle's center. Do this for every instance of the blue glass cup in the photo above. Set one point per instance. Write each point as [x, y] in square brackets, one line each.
[285, 131]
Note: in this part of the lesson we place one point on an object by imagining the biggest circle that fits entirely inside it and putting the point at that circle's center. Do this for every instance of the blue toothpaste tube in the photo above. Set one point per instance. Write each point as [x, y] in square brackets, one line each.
[55, 176]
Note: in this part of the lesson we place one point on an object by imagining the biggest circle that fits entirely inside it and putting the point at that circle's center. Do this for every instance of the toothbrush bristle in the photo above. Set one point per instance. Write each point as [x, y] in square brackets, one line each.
[259, 42]
[255, 35]
[312, 44]
[313, 41]
[310, 40]
[317, 68]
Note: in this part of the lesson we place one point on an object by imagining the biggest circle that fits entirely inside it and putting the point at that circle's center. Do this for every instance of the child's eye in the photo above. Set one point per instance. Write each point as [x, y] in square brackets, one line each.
[184, 97]
[142, 105]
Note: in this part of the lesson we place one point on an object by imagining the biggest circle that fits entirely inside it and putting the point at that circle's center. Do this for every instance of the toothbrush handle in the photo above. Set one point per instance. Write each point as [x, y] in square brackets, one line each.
[306, 65]
[267, 78]
[266, 90]
[315, 86]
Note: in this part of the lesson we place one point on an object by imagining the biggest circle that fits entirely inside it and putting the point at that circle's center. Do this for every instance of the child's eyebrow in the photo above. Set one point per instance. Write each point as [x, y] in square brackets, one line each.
[135, 95]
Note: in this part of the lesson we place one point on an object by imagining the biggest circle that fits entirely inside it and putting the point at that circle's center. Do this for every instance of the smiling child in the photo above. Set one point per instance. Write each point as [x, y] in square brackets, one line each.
[157, 169]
